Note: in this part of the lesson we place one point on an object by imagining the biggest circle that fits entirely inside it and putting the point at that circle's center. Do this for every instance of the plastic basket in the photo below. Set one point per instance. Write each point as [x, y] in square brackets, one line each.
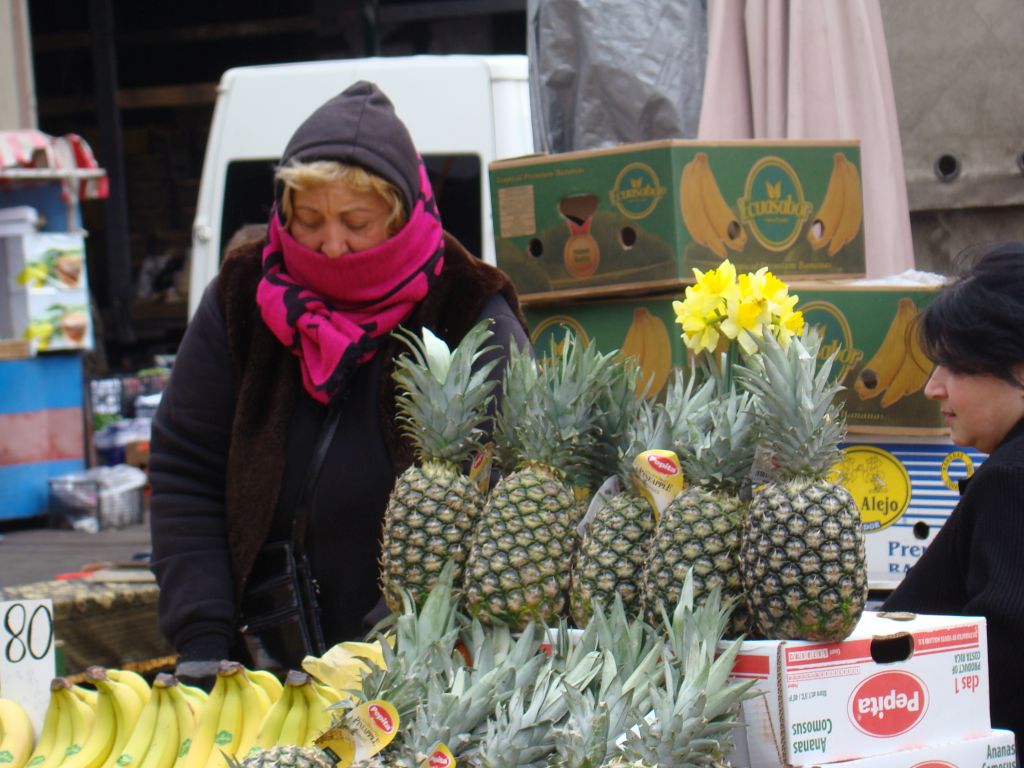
[99, 498]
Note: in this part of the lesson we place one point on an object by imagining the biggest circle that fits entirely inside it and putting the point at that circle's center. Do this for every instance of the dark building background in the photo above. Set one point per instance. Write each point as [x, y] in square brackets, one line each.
[138, 80]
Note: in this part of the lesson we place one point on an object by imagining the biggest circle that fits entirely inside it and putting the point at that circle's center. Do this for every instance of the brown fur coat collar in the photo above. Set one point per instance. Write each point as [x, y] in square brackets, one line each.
[267, 379]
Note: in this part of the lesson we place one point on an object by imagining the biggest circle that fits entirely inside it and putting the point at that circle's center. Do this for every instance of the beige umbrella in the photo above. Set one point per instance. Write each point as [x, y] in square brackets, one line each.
[814, 69]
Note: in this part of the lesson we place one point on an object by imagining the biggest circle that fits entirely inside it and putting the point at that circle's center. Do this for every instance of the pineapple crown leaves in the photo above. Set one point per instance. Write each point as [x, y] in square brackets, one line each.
[683, 400]
[423, 646]
[721, 444]
[582, 740]
[444, 394]
[800, 420]
[650, 428]
[548, 412]
[618, 406]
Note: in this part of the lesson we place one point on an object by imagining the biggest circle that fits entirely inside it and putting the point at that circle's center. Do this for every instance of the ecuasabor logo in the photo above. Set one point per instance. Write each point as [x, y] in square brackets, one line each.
[381, 718]
[888, 703]
[662, 465]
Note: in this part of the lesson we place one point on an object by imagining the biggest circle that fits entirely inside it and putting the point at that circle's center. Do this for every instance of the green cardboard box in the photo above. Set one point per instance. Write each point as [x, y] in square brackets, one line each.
[868, 328]
[637, 218]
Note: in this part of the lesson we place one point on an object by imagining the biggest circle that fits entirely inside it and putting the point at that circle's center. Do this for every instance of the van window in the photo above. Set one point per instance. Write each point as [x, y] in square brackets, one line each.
[456, 179]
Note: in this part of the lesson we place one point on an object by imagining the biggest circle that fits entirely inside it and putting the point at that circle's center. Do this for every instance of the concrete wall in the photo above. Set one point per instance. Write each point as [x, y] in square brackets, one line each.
[957, 76]
[17, 89]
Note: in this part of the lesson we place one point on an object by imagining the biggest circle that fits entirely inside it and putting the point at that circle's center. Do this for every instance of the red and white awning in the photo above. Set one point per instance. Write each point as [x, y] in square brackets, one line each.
[29, 155]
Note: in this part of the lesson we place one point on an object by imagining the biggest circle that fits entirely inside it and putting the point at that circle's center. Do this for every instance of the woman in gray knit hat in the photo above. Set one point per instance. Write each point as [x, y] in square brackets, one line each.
[294, 328]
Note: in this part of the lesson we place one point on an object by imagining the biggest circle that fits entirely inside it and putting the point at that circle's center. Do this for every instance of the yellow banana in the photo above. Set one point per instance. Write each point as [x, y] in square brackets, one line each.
[695, 215]
[318, 717]
[143, 733]
[55, 719]
[255, 704]
[88, 695]
[184, 712]
[293, 729]
[229, 725]
[270, 727]
[332, 694]
[17, 734]
[134, 679]
[196, 695]
[127, 709]
[878, 372]
[96, 747]
[201, 745]
[853, 210]
[163, 749]
[723, 221]
[81, 717]
[267, 681]
[823, 225]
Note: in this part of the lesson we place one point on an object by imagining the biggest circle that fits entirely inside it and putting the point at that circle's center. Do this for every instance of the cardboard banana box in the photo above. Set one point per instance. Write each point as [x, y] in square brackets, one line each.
[878, 359]
[639, 217]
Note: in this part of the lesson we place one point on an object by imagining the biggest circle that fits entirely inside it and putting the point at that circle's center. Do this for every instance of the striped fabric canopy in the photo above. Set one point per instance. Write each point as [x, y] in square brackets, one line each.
[65, 156]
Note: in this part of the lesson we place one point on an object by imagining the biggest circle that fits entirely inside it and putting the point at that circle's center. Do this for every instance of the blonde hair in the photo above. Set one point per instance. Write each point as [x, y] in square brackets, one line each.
[299, 176]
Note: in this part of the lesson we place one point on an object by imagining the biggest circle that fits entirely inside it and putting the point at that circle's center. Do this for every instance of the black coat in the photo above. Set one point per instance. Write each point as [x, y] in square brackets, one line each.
[232, 439]
[975, 567]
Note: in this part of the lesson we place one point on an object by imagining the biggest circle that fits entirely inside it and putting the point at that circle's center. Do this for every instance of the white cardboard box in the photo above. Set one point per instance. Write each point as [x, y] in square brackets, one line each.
[898, 681]
[995, 749]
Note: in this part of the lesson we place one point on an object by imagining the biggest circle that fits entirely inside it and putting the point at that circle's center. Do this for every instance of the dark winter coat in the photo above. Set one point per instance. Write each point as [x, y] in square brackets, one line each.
[973, 568]
[233, 436]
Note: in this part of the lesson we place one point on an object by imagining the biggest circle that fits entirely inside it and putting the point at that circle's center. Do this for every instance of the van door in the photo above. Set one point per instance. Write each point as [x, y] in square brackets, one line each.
[447, 102]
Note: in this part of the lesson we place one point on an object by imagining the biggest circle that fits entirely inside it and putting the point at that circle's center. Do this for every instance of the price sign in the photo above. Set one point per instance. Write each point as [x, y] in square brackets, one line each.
[27, 655]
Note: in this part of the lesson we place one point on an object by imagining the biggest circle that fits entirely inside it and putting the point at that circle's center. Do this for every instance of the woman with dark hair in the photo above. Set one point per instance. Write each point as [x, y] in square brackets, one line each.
[973, 567]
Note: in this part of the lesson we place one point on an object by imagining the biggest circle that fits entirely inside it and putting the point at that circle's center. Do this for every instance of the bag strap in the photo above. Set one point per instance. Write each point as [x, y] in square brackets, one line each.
[323, 442]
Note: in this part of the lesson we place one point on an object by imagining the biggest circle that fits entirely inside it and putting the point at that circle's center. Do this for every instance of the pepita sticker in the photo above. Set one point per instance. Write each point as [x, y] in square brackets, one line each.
[367, 730]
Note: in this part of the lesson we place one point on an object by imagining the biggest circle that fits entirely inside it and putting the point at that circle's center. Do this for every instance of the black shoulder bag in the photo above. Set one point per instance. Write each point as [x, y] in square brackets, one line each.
[279, 617]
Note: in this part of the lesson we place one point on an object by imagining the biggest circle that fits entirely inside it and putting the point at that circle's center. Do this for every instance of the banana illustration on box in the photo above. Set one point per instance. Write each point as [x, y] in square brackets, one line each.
[647, 340]
[841, 213]
[899, 366]
[707, 216]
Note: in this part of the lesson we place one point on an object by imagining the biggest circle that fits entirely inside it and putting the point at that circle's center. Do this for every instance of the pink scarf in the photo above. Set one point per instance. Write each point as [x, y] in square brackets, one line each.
[335, 313]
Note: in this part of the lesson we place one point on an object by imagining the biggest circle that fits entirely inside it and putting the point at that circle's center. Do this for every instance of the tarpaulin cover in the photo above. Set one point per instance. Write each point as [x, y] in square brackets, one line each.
[605, 72]
[29, 149]
[814, 69]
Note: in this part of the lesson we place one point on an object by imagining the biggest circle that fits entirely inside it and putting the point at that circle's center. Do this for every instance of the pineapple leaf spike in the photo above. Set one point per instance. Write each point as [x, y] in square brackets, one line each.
[804, 424]
[444, 394]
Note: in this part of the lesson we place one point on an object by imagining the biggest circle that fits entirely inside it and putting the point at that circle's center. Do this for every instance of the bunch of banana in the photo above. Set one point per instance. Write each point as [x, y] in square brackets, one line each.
[899, 366]
[166, 720]
[17, 734]
[119, 702]
[708, 217]
[839, 218]
[66, 725]
[648, 341]
[300, 713]
[230, 719]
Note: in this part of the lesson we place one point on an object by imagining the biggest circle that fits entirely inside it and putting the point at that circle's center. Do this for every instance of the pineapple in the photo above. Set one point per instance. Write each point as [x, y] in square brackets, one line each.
[802, 553]
[517, 569]
[284, 757]
[701, 528]
[614, 541]
[442, 406]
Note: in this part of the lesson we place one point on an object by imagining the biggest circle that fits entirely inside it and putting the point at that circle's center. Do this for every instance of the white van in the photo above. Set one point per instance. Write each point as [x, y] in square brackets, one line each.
[463, 111]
